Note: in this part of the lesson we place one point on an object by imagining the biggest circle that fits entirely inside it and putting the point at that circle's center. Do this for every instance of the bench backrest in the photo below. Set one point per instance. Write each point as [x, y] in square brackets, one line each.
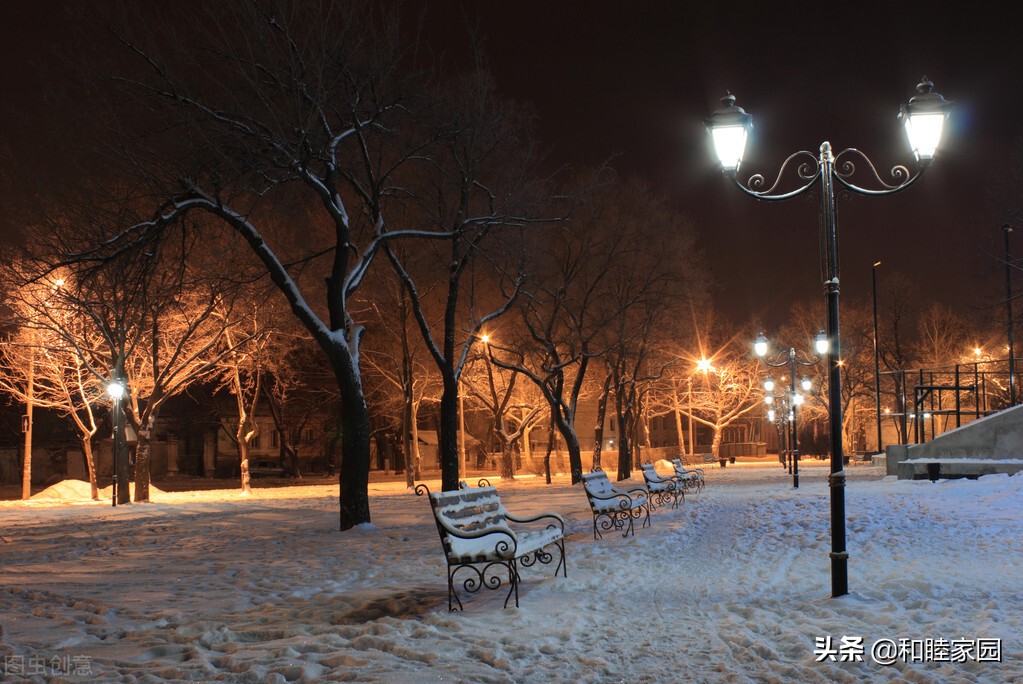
[649, 471]
[470, 509]
[473, 509]
[598, 484]
[680, 467]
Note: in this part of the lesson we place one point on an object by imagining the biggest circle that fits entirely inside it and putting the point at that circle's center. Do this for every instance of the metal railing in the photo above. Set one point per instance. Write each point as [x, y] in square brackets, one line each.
[925, 402]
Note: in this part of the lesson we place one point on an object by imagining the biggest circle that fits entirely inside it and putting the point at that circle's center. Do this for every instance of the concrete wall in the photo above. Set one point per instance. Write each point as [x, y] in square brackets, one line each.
[996, 437]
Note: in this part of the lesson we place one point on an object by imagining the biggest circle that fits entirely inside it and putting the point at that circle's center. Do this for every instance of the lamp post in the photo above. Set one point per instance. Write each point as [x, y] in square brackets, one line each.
[792, 359]
[923, 118]
[704, 366]
[116, 392]
[877, 358]
[1006, 229]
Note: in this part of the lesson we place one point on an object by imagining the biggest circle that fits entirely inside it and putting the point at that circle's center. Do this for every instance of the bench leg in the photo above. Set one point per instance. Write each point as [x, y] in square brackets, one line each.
[513, 580]
[487, 578]
[563, 563]
[646, 520]
[452, 594]
[628, 528]
[546, 557]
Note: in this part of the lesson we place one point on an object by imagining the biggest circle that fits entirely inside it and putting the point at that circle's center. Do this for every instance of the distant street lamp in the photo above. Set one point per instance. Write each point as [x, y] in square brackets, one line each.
[1006, 229]
[793, 398]
[705, 366]
[923, 118]
[877, 358]
[115, 389]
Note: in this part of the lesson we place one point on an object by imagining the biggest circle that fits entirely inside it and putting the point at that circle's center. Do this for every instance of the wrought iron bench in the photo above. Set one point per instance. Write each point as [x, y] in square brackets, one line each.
[614, 507]
[480, 542]
[692, 477]
[663, 489]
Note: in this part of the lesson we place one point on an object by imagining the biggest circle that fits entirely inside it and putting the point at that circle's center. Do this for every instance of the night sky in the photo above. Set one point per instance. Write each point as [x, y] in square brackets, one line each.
[636, 80]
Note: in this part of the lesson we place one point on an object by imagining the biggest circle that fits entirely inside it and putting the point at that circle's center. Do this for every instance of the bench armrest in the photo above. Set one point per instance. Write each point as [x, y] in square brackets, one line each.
[475, 534]
[642, 491]
[554, 517]
[504, 543]
[624, 500]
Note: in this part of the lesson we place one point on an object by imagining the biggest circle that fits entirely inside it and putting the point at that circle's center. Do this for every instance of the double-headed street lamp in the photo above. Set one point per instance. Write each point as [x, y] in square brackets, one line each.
[923, 117]
[116, 392]
[794, 399]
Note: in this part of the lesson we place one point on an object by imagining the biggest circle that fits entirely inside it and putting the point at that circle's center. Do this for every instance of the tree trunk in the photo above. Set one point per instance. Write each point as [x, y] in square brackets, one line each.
[243, 457]
[26, 467]
[679, 432]
[575, 457]
[90, 464]
[550, 448]
[417, 457]
[409, 463]
[448, 438]
[353, 475]
[624, 444]
[142, 462]
[507, 459]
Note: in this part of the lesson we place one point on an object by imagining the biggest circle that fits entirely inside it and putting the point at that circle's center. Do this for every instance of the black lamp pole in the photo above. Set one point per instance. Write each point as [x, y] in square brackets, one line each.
[877, 358]
[729, 127]
[1006, 229]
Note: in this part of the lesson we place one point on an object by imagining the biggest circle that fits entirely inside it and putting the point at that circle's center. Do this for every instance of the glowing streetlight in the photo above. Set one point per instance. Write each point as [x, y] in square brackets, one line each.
[923, 117]
[116, 390]
[792, 399]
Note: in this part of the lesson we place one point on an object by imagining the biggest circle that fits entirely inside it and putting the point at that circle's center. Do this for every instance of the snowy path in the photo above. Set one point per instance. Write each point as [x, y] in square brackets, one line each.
[734, 587]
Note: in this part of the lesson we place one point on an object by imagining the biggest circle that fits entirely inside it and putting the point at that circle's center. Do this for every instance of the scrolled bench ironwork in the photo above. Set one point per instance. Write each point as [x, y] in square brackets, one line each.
[614, 507]
[692, 477]
[480, 541]
[663, 489]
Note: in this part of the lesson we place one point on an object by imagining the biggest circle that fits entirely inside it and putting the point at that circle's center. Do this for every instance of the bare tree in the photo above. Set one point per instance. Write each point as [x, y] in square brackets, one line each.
[39, 368]
[254, 351]
[476, 191]
[309, 104]
[588, 275]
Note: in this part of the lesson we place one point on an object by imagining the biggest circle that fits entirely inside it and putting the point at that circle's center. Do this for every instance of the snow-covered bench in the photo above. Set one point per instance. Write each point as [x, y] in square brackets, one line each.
[693, 478]
[614, 507]
[663, 489]
[479, 540]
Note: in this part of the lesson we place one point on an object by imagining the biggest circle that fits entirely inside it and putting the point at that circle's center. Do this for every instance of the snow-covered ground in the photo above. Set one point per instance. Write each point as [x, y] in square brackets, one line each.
[733, 587]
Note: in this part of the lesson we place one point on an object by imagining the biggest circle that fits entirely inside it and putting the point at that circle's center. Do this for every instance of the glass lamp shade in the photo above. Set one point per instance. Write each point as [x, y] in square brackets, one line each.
[924, 118]
[806, 384]
[760, 345]
[115, 389]
[729, 128]
[820, 343]
[729, 144]
[769, 384]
